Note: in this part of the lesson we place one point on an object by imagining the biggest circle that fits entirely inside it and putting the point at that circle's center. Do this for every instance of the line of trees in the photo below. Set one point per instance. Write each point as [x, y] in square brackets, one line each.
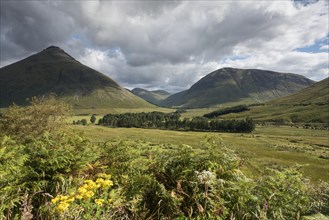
[172, 121]
[234, 109]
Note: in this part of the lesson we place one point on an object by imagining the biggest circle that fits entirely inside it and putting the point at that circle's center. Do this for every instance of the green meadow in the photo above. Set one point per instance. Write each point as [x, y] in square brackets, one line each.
[266, 147]
[51, 168]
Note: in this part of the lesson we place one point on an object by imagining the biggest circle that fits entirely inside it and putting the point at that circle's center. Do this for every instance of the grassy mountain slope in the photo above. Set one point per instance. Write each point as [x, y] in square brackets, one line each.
[316, 93]
[154, 97]
[308, 105]
[235, 86]
[54, 71]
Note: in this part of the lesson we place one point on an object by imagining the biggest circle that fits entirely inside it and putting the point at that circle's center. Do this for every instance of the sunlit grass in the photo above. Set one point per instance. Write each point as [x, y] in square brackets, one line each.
[267, 146]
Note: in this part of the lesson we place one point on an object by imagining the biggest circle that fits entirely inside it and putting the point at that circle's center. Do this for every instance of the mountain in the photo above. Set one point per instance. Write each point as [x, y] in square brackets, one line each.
[54, 71]
[236, 86]
[154, 97]
[309, 105]
[316, 93]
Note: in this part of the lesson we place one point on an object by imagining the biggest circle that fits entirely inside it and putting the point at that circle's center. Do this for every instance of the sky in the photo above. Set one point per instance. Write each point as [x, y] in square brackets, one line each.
[170, 45]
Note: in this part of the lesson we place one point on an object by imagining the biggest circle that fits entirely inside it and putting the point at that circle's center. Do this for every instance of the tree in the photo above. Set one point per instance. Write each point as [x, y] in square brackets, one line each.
[93, 119]
[44, 114]
[84, 121]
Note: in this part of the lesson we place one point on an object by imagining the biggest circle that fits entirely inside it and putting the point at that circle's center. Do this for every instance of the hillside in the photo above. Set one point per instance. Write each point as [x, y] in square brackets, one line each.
[308, 105]
[154, 97]
[237, 86]
[54, 71]
[316, 93]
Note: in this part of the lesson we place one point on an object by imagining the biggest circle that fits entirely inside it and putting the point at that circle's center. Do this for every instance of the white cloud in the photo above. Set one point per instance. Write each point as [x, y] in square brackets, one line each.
[158, 76]
[170, 44]
[311, 65]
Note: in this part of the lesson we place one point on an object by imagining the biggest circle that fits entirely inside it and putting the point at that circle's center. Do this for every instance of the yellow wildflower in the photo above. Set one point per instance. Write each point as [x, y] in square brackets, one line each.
[55, 200]
[63, 197]
[99, 202]
[70, 200]
[90, 184]
[104, 183]
[82, 190]
[107, 183]
[99, 180]
[62, 207]
[88, 194]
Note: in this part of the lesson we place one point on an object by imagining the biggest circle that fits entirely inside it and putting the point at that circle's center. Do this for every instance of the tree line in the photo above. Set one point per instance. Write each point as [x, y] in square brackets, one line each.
[234, 109]
[172, 121]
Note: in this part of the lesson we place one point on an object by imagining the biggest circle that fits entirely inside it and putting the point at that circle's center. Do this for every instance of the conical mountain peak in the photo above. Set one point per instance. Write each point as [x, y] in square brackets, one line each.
[53, 47]
[55, 52]
[54, 71]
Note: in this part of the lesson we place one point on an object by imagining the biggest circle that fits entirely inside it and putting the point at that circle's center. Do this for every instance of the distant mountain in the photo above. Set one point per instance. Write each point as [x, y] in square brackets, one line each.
[309, 105]
[154, 97]
[54, 71]
[316, 93]
[237, 86]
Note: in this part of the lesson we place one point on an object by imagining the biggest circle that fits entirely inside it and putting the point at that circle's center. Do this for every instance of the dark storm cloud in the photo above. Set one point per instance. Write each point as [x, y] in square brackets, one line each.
[168, 44]
[30, 26]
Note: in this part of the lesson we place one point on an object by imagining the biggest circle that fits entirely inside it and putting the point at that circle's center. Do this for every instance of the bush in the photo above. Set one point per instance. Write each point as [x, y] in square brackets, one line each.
[93, 118]
[84, 121]
[282, 194]
[187, 183]
[36, 157]
[42, 115]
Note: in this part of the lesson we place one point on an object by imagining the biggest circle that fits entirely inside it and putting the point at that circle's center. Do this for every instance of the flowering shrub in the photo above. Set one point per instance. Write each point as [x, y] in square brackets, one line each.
[90, 198]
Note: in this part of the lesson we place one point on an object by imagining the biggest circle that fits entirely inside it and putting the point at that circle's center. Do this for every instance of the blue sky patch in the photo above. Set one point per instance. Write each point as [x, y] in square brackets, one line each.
[315, 48]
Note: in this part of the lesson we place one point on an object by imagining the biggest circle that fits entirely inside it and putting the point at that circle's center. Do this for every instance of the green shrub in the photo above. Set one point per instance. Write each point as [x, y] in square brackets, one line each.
[84, 121]
[42, 115]
[93, 118]
[37, 157]
[283, 194]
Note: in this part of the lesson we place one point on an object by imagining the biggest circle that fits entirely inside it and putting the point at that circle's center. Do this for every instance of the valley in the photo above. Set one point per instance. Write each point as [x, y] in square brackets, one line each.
[164, 110]
[272, 146]
[86, 141]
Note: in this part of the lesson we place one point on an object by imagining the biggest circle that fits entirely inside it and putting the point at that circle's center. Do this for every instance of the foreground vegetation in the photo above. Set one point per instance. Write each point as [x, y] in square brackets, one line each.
[50, 173]
[270, 146]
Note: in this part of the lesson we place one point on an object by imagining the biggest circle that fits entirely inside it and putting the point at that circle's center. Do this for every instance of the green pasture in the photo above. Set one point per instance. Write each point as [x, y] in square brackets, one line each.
[312, 113]
[265, 147]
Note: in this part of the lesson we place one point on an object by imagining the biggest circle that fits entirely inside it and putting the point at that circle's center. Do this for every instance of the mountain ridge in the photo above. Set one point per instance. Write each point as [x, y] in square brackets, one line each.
[232, 85]
[154, 97]
[316, 93]
[309, 105]
[54, 71]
